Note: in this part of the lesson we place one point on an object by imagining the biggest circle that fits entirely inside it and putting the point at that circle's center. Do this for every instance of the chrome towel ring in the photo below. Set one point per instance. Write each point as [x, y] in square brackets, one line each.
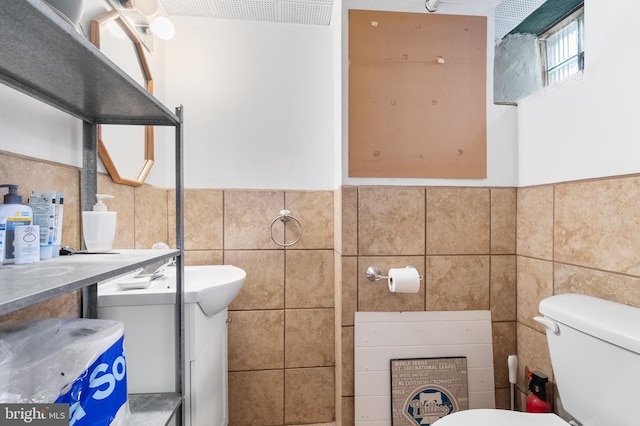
[285, 216]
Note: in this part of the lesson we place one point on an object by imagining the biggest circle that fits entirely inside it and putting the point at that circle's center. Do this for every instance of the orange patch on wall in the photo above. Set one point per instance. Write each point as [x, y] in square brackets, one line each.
[417, 95]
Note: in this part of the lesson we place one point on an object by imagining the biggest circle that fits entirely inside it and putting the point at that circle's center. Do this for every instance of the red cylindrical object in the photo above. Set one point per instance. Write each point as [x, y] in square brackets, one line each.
[537, 405]
[537, 399]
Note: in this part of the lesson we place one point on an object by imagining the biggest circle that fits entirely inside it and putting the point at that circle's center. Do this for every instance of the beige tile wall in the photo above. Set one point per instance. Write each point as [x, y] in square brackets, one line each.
[577, 237]
[138, 224]
[142, 217]
[571, 237]
[462, 240]
[32, 175]
[281, 334]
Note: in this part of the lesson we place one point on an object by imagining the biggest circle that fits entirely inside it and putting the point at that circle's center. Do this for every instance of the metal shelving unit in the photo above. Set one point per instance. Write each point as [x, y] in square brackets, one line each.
[44, 57]
[25, 285]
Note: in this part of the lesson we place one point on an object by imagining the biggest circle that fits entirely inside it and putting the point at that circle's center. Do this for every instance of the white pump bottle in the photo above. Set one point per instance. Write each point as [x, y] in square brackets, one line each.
[99, 226]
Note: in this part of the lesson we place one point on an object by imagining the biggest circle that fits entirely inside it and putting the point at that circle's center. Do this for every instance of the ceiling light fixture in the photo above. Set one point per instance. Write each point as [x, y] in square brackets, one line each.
[148, 19]
[162, 28]
[432, 5]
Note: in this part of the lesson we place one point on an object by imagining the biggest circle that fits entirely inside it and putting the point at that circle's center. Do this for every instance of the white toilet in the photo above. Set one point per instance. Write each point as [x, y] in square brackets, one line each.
[595, 353]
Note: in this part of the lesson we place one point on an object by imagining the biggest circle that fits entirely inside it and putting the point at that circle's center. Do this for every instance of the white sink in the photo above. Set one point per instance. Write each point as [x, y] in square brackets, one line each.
[212, 287]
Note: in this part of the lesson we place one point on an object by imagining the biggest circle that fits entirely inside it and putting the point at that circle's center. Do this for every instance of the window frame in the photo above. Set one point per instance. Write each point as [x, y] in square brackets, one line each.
[576, 15]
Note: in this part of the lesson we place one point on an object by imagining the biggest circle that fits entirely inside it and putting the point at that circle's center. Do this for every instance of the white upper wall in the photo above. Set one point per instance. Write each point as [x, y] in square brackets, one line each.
[266, 103]
[588, 128]
[266, 107]
[336, 35]
[34, 129]
[258, 103]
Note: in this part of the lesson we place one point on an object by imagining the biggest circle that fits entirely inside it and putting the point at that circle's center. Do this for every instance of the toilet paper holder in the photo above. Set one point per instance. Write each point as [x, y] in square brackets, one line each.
[373, 273]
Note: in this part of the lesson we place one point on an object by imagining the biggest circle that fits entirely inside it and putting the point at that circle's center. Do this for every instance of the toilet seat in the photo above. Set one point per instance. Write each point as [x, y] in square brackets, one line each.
[488, 417]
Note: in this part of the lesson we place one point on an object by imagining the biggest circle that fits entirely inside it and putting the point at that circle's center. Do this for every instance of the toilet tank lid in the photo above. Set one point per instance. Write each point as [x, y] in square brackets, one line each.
[612, 322]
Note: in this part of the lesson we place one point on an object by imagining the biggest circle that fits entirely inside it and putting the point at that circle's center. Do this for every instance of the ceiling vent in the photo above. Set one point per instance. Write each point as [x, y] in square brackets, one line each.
[309, 12]
[510, 13]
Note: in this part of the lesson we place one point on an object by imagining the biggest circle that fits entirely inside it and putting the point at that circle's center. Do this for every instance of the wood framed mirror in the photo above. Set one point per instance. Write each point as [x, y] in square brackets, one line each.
[119, 143]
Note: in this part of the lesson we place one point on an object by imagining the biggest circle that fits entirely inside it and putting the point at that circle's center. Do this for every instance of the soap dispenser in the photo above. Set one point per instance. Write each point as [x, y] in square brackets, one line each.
[17, 214]
[99, 226]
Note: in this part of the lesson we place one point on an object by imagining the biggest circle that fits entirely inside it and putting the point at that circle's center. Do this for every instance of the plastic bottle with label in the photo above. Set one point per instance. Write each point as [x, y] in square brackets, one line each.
[17, 214]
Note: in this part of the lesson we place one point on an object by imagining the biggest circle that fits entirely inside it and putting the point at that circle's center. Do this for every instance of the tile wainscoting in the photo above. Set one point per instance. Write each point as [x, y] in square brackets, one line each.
[462, 241]
[292, 324]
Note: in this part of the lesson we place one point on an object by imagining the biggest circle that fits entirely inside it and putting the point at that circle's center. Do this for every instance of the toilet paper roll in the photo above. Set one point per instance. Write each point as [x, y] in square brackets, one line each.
[404, 280]
[76, 361]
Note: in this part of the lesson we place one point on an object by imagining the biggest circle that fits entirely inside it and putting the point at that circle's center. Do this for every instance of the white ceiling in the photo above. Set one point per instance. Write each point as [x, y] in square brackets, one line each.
[311, 12]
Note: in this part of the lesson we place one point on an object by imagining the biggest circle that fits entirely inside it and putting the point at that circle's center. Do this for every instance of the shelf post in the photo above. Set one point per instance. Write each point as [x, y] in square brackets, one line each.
[88, 191]
[179, 308]
[89, 171]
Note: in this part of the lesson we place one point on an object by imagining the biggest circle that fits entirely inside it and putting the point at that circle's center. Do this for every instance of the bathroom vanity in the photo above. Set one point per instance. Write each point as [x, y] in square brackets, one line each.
[147, 314]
